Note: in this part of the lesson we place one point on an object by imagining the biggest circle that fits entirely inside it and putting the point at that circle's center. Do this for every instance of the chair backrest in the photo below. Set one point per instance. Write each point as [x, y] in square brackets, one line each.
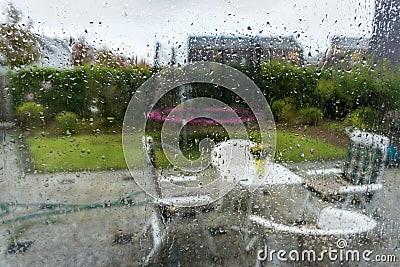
[169, 194]
[234, 160]
[366, 156]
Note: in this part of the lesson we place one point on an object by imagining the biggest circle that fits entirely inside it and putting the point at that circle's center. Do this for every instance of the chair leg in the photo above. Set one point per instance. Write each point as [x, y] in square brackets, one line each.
[364, 204]
[306, 206]
[347, 201]
[251, 243]
[157, 237]
[249, 209]
[207, 234]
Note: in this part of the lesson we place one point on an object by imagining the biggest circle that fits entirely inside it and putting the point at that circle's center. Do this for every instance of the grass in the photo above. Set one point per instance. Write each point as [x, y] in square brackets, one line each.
[296, 148]
[82, 152]
[104, 152]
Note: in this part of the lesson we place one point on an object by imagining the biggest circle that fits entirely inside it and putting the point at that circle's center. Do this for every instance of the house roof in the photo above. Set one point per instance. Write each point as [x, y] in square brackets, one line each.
[243, 43]
[350, 43]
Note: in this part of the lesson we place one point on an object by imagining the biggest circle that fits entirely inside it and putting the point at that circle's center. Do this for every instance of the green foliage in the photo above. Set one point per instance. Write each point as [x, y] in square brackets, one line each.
[30, 114]
[67, 121]
[214, 91]
[366, 85]
[79, 89]
[355, 119]
[281, 79]
[58, 90]
[289, 88]
[284, 110]
[110, 90]
[18, 44]
[310, 116]
[364, 118]
[336, 91]
[325, 90]
[334, 126]
[277, 108]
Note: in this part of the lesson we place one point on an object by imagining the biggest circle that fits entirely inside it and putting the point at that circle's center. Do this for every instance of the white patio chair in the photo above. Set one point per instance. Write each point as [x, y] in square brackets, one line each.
[167, 210]
[361, 175]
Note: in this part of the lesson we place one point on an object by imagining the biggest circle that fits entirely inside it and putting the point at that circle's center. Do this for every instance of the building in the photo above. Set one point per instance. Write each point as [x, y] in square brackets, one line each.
[385, 41]
[347, 50]
[244, 49]
[54, 53]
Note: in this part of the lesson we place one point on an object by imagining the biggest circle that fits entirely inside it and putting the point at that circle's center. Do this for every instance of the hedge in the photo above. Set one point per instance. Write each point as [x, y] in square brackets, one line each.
[78, 89]
[336, 92]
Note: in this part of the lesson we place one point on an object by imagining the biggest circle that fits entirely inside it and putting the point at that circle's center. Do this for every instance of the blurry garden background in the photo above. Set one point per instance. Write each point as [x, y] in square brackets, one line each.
[70, 116]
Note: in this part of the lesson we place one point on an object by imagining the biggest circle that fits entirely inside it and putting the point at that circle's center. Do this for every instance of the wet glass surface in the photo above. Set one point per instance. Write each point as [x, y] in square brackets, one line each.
[199, 133]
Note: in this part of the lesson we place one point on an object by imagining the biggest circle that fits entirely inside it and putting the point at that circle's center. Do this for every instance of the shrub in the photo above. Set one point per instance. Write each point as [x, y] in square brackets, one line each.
[67, 121]
[30, 114]
[364, 118]
[79, 88]
[277, 107]
[310, 116]
[395, 125]
[280, 79]
[325, 89]
[284, 110]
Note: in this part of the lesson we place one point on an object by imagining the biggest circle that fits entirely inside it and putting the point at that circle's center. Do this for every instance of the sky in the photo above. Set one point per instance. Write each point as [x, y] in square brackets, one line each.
[134, 27]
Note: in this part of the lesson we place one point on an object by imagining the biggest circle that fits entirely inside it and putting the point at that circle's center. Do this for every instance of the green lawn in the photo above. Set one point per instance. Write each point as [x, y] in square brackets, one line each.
[82, 152]
[292, 147]
[99, 152]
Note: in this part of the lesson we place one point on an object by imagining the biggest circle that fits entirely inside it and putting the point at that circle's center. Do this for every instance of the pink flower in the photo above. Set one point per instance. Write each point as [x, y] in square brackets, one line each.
[47, 85]
[29, 96]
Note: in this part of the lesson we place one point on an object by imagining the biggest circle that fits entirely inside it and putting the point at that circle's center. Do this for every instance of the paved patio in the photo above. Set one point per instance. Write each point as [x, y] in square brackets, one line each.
[95, 219]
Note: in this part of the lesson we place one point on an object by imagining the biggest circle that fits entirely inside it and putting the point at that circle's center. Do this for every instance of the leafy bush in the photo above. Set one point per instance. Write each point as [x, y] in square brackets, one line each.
[355, 119]
[284, 110]
[67, 121]
[57, 90]
[395, 125]
[334, 91]
[79, 88]
[281, 79]
[325, 89]
[30, 114]
[310, 116]
[364, 118]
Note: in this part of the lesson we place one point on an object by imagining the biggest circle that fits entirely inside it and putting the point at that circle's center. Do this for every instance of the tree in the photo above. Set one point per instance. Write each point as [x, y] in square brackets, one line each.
[82, 53]
[109, 59]
[19, 46]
